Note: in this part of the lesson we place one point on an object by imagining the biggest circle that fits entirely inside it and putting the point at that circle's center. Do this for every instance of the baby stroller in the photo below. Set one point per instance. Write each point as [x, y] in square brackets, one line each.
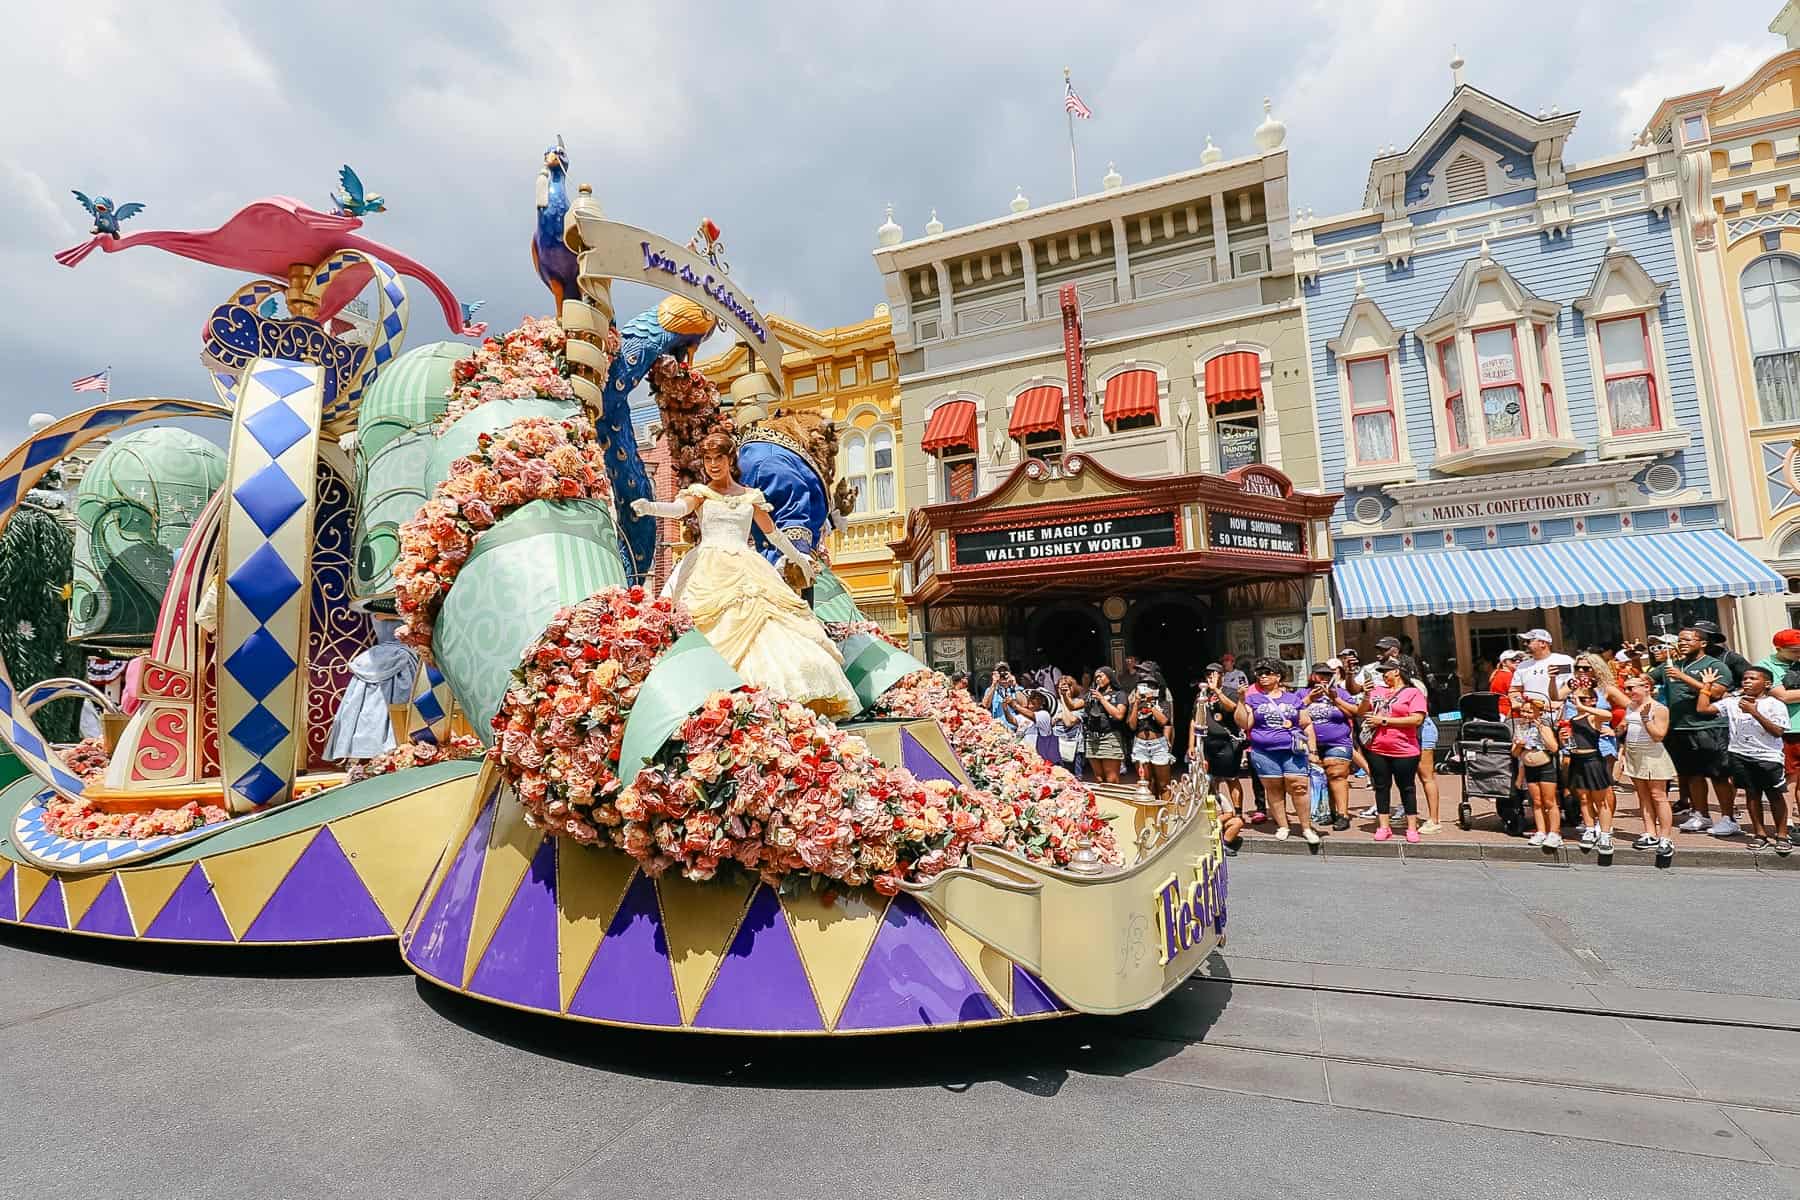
[1484, 753]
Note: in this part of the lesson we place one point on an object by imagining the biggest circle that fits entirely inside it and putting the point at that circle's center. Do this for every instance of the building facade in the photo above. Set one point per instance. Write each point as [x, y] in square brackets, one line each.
[1111, 356]
[1507, 396]
[1738, 151]
[848, 374]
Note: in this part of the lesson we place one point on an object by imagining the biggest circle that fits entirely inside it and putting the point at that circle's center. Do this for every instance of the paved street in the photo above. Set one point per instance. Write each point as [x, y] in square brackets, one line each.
[1377, 1028]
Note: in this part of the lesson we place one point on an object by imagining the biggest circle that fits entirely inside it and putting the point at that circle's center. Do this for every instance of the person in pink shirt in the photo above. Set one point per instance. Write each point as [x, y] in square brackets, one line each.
[1390, 714]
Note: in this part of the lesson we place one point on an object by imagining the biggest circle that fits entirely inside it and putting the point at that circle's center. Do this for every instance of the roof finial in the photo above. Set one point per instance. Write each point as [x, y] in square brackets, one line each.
[1456, 68]
[1612, 237]
[1486, 256]
[1112, 181]
[1360, 289]
[1211, 154]
[889, 234]
[1271, 133]
[934, 226]
[1019, 202]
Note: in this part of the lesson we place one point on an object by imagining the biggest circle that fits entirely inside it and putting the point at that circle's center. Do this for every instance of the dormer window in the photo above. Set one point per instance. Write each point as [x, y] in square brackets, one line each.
[1623, 311]
[1495, 388]
[1371, 399]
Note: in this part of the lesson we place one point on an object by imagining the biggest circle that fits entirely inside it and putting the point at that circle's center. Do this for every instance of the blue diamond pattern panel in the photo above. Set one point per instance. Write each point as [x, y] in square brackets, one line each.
[47, 449]
[258, 785]
[9, 491]
[259, 732]
[260, 664]
[270, 498]
[277, 427]
[284, 381]
[264, 583]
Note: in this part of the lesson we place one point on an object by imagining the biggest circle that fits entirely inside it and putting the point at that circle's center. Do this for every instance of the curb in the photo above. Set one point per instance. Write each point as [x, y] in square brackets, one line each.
[1566, 855]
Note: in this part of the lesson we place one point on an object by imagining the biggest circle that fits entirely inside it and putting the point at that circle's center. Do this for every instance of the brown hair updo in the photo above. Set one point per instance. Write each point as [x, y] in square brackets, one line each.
[723, 445]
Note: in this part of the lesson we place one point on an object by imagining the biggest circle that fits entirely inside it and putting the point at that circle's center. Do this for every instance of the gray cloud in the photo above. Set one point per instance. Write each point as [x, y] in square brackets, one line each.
[790, 125]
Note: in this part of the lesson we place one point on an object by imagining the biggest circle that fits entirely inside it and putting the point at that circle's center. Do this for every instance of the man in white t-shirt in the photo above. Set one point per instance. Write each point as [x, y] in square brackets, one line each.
[1543, 673]
[1757, 721]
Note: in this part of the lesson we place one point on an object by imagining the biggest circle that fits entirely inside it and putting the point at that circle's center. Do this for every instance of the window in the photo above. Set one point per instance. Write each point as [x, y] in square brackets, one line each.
[881, 468]
[806, 385]
[1456, 414]
[1047, 445]
[956, 474]
[1541, 335]
[1630, 381]
[1372, 411]
[1502, 394]
[878, 369]
[867, 461]
[1771, 297]
[847, 376]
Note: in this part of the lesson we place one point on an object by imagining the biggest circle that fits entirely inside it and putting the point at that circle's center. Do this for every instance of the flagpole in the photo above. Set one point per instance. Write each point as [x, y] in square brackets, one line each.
[1074, 176]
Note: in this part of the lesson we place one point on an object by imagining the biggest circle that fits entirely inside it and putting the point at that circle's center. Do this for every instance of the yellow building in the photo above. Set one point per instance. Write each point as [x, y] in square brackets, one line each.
[849, 375]
[1739, 182]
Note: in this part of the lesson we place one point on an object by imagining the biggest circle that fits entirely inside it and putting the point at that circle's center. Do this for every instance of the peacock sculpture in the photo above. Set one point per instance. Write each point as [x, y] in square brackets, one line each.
[554, 261]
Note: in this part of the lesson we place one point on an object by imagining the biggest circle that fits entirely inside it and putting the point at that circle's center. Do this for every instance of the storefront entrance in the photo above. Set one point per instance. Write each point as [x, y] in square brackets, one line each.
[1071, 638]
[1173, 632]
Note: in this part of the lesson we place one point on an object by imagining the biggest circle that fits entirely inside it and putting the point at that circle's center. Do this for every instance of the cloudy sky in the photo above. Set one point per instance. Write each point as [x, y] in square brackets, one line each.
[791, 126]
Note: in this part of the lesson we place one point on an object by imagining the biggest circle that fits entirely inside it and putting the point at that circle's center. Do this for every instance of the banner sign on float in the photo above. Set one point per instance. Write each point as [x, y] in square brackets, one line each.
[1067, 539]
[1234, 531]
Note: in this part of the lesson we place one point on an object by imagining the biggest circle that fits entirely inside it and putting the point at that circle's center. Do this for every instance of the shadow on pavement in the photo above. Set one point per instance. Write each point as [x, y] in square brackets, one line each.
[1036, 1057]
[343, 960]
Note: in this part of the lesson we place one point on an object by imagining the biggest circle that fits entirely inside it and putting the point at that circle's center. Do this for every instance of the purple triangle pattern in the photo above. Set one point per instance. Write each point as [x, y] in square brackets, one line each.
[912, 978]
[50, 911]
[9, 897]
[761, 985]
[109, 912]
[519, 965]
[1032, 995]
[441, 942]
[919, 761]
[630, 978]
[321, 899]
[191, 915]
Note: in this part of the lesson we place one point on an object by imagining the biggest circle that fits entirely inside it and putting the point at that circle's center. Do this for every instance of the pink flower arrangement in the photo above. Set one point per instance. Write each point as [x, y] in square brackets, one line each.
[526, 363]
[841, 631]
[1046, 813]
[87, 759]
[80, 821]
[418, 754]
[534, 458]
[558, 730]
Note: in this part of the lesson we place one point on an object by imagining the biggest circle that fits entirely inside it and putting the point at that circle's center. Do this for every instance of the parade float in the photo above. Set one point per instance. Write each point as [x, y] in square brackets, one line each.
[590, 810]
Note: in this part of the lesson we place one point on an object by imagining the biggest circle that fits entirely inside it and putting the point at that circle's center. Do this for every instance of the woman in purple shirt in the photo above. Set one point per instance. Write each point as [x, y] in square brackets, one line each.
[1280, 739]
[1331, 708]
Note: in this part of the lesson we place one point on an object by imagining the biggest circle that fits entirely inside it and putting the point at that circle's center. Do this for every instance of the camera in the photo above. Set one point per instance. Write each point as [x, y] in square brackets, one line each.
[1146, 691]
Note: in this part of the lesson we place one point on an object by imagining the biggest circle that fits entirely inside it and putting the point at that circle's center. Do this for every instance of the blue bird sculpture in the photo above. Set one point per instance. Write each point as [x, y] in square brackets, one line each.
[350, 200]
[107, 215]
[673, 328]
[554, 261]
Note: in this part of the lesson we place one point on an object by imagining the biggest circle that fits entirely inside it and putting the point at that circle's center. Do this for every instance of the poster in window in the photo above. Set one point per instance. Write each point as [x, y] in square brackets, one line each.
[1240, 638]
[1240, 443]
[1284, 639]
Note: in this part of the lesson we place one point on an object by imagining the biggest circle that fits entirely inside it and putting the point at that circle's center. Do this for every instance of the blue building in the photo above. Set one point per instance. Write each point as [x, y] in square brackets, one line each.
[1506, 396]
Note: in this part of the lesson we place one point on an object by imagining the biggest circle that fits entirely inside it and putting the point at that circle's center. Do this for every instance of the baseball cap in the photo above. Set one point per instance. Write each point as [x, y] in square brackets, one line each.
[1211, 667]
[1535, 635]
[1709, 628]
[1507, 656]
[1787, 637]
[1664, 639]
[1388, 643]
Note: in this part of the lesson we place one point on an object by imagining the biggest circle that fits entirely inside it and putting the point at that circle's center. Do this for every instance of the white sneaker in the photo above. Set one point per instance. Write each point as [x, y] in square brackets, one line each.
[1369, 813]
[1536, 839]
[1725, 827]
[1590, 834]
[1694, 824]
[1281, 834]
[1605, 844]
[1552, 841]
[1312, 839]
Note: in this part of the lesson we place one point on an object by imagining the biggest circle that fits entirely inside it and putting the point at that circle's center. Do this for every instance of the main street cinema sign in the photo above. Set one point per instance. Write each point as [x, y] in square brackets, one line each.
[1236, 531]
[1067, 539]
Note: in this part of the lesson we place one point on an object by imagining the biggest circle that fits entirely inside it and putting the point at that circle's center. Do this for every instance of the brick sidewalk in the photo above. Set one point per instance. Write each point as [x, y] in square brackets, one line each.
[1488, 840]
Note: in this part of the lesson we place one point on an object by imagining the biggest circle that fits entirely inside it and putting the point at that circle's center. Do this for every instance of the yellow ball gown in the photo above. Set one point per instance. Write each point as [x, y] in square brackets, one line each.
[749, 613]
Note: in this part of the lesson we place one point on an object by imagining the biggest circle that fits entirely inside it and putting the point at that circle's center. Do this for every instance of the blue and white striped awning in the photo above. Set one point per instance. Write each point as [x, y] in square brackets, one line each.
[1682, 565]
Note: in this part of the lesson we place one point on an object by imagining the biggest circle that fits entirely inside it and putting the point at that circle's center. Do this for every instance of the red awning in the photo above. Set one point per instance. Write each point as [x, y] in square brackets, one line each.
[1037, 410]
[952, 427]
[1132, 394]
[1234, 376]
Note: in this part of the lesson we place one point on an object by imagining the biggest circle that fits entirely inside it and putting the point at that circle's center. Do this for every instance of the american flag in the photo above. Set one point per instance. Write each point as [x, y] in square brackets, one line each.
[1072, 102]
[101, 383]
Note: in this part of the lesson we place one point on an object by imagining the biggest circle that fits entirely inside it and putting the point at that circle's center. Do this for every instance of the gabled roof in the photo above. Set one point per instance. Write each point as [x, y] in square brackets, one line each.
[1495, 115]
[1459, 298]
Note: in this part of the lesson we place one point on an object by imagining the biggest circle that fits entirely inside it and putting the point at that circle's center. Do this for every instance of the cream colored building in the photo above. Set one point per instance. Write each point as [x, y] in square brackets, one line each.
[849, 375]
[1739, 153]
[1192, 358]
